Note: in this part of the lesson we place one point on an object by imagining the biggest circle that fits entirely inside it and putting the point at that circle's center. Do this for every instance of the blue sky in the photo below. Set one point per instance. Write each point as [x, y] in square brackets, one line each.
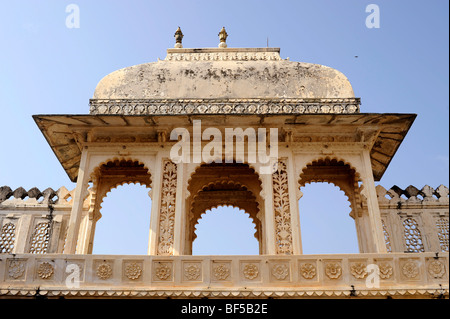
[46, 68]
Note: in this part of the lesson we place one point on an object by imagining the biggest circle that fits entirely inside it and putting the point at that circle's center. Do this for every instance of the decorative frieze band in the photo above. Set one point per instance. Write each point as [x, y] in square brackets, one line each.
[224, 56]
[223, 106]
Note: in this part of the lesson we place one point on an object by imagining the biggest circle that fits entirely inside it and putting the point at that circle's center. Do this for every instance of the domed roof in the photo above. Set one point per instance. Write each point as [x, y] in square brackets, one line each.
[224, 73]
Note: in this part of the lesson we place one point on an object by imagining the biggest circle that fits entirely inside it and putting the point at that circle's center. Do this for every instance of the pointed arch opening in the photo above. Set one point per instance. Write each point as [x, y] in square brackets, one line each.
[123, 228]
[326, 226]
[331, 213]
[119, 213]
[225, 230]
[219, 185]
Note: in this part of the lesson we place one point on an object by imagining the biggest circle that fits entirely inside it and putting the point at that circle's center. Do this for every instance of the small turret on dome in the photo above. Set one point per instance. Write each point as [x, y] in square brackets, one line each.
[178, 38]
[223, 38]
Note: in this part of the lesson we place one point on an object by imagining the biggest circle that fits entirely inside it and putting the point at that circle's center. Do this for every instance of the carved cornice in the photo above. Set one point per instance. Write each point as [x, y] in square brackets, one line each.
[223, 106]
[224, 54]
[404, 292]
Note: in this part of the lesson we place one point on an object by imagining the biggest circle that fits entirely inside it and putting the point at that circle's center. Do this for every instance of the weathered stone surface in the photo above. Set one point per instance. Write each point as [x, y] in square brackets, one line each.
[34, 193]
[20, 193]
[48, 194]
[323, 138]
[224, 73]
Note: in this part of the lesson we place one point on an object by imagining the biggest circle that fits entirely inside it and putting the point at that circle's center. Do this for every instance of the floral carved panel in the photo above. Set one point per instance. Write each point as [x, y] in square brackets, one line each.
[192, 271]
[167, 209]
[283, 228]
[162, 271]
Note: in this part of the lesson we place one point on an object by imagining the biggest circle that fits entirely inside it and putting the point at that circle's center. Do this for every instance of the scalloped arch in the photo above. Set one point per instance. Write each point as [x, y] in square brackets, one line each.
[215, 204]
[94, 170]
[200, 165]
[338, 159]
[222, 181]
[334, 184]
[255, 226]
[252, 209]
[98, 196]
[102, 199]
[353, 196]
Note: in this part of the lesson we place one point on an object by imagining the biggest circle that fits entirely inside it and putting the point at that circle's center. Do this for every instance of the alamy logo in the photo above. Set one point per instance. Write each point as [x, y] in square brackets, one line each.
[373, 19]
[73, 277]
[73, 19]
[373, 276]
[230, 148]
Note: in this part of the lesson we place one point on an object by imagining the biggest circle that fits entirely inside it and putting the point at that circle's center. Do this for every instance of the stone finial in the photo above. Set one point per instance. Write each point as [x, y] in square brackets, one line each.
[178, 38]
[223, 38]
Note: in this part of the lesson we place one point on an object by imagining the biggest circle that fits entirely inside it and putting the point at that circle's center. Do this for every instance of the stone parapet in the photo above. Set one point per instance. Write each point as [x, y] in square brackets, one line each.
[300, 276]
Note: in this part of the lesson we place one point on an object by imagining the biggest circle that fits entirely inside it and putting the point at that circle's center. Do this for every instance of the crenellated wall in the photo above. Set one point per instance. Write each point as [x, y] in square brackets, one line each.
[415, 220]
[33, 221]
[36, 222]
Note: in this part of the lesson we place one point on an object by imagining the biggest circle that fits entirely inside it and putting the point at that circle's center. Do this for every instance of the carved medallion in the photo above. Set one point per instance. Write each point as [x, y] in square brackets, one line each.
[333, 270]
[308, 271]
[16, 269]
[45, 270]
[221, 272]
[163, 272]
[251, 271]
[386, 270]
[133, 271]
[436, 269]
[358, 270]
[104, 271]
[280, 271]
[192, 272]
[410, 269]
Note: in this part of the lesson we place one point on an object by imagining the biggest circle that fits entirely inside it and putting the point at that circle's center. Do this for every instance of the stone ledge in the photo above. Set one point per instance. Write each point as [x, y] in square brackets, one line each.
[229, 294]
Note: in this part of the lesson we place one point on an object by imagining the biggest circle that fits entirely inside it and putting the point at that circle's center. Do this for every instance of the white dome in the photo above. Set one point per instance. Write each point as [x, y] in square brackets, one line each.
[224, 73]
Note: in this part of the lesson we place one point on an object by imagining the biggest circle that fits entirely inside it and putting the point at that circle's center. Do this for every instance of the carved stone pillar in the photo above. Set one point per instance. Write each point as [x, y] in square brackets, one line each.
[180, 207]
[293, 191]
[166, 225]
[375, 227]
[156, 204]
[269, 217]
[22, 230]
[282, 210]
[77, 208]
